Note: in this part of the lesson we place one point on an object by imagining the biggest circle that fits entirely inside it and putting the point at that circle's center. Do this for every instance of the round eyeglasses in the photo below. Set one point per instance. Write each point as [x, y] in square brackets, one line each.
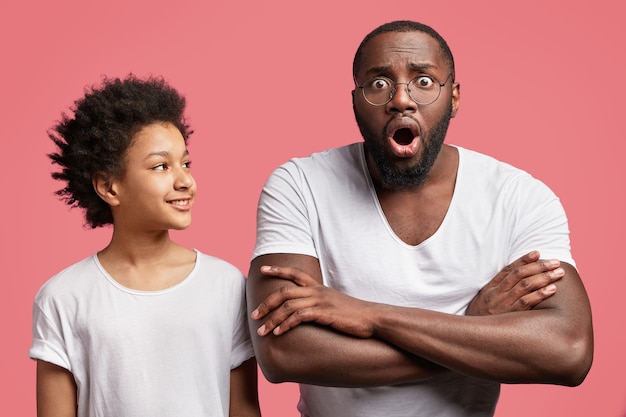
[423, 89]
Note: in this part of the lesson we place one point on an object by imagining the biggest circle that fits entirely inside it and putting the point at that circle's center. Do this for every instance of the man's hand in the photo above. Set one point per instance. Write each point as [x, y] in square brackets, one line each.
[310, 302]
[519, 286]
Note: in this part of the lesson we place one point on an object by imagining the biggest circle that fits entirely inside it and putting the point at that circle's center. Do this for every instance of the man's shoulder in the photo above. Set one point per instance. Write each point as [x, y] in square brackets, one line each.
[477, 162]
[327, 163]
[481, 158]
[331, 156]
[488, 174]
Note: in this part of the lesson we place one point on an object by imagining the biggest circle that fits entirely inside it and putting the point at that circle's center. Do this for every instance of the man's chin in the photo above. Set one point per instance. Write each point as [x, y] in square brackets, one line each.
[402, 176]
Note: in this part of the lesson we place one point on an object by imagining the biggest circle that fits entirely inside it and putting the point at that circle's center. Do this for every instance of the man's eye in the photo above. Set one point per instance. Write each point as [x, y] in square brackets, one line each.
[423, 82]
[380, 84]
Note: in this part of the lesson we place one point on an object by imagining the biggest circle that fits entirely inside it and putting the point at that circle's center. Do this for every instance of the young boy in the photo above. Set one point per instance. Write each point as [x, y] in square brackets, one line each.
[144, 327]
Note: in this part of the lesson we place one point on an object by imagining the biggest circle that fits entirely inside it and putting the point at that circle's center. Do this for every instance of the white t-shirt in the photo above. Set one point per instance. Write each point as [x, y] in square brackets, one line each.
[325, 206]
[145, 353]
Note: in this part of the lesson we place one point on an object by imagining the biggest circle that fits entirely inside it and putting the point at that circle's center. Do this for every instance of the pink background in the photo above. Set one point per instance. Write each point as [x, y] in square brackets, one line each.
[542, 88]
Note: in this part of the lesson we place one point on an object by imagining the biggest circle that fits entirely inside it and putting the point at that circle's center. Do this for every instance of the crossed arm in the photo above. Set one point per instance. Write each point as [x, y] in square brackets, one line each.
[523, 326]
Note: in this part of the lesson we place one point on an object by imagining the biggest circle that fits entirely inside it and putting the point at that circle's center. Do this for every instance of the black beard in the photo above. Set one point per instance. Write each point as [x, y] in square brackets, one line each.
[401, 178]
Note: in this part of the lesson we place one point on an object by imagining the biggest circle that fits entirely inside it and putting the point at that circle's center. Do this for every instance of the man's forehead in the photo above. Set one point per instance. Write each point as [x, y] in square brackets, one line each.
[402, 42]
[417, 48]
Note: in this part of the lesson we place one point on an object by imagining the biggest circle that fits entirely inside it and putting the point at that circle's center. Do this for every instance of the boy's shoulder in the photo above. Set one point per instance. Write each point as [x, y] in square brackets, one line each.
[70, 279]
[217, 266]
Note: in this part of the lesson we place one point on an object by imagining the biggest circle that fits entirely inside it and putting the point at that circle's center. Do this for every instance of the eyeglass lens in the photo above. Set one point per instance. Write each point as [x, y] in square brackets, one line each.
[422, 90]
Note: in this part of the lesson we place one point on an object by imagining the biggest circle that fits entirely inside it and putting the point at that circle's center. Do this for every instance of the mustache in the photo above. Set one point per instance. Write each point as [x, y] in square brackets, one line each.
[404, 115]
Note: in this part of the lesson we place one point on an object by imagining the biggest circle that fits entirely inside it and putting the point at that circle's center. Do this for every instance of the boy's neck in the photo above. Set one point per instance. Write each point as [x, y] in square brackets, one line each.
[146, 263]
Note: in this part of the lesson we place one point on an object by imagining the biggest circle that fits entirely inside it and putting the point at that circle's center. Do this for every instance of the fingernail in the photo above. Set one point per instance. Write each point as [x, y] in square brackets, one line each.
[559, 272]
[551, 289]
[255, 314]
[261, 330]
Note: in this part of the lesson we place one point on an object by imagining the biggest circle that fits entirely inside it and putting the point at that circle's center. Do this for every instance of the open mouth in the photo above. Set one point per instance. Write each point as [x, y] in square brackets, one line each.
[403, 136]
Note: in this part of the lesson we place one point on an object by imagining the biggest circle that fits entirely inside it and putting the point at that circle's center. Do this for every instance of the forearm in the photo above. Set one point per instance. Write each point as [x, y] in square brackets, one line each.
[314, 355]
[319, 355]
[551, 344]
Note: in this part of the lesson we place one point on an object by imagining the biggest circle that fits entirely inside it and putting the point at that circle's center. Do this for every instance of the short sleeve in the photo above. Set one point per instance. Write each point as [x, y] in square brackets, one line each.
[540, 222]
[47, 344]
[283, 218]
[242, 345]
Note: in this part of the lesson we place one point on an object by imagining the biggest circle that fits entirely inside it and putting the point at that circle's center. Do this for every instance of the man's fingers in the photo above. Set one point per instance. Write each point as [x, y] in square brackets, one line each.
[291, 314]
[284, 293]
[292, 274]
[529, 301]
[298, 316]
[525, 276]
[283, 296]
[529, 258]
[519, 286]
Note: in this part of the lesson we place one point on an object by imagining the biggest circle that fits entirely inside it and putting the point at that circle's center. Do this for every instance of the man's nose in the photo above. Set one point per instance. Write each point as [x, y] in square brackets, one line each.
[401, 100]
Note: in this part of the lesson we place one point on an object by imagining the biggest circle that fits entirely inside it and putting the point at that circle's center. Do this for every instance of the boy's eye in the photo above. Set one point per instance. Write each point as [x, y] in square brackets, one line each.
[187, 164]
[160, 167]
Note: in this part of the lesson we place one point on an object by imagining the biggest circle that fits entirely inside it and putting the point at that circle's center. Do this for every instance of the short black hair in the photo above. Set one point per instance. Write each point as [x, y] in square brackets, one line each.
[404, 26]
[95, 138]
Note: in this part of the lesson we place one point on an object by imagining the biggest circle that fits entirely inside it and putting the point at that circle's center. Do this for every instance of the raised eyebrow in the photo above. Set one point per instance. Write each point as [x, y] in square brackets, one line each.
[422, 67]
[377, 71]
[416, 67]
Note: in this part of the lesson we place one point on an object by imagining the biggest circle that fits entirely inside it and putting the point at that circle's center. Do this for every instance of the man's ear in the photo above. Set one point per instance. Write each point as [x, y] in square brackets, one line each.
[456, 98]
[104, 186]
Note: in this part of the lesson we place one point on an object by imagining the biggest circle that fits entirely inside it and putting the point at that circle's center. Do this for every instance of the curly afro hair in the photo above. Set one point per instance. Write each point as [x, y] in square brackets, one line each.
[100, 132]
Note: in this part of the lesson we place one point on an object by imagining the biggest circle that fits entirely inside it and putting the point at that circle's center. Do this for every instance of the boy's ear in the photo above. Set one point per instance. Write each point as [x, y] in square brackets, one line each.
[104, 186]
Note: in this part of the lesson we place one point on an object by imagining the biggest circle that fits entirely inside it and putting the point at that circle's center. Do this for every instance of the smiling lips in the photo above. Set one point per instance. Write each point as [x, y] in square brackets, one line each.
[184, 203]
[403, 136]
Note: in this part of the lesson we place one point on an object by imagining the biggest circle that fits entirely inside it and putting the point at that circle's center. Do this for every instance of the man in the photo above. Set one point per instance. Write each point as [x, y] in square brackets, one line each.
[399, 276]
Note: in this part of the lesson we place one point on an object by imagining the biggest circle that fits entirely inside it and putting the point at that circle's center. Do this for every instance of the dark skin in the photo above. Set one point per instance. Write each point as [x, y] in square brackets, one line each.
[348, 358]
[530, 324]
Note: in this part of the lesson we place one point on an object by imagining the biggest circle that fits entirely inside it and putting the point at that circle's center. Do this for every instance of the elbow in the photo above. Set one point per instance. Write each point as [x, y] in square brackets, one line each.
[274, 377]
[276, 364]
[272, 371]
[573, 377]
[578, 371]
[575, 362]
